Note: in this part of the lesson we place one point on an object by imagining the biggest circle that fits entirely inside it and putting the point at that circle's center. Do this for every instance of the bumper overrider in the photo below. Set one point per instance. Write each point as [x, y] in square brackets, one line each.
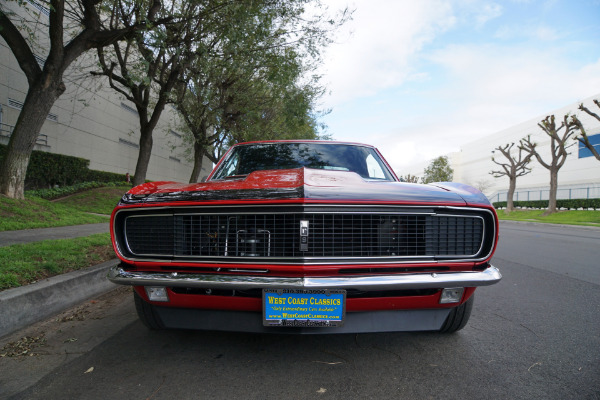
[487, 277]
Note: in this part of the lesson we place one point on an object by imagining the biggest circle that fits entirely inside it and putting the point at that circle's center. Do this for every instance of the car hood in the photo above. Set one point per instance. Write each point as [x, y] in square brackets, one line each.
[308, 184]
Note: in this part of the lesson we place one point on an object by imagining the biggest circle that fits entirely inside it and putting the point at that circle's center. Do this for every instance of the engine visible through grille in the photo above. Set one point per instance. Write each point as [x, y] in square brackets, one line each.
[304, 235]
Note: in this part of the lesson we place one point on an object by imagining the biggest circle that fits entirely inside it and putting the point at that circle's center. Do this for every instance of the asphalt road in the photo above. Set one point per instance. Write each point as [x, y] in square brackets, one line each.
[535, 335]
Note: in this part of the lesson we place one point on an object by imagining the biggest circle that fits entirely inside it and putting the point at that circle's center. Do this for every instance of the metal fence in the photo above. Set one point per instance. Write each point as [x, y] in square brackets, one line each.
[581, 192]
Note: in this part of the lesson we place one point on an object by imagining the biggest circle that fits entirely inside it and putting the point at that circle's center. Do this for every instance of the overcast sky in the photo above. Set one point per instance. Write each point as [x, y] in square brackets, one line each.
[419, 78]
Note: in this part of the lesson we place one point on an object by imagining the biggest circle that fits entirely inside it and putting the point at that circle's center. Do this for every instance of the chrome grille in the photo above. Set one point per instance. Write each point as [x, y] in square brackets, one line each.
[330, 235]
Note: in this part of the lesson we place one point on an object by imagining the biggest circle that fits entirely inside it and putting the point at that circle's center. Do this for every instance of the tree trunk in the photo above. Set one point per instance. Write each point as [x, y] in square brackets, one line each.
[553, 190]
[510, 206]
[141, 167]
[198, 158]
[40, 98]
[147, 126]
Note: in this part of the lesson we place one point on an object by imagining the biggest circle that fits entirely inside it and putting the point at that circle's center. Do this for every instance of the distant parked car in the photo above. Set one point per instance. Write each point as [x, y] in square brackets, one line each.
[304, 237]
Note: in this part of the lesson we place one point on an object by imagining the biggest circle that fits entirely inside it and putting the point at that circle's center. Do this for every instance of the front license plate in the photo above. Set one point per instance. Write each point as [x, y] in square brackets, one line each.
[304, 308]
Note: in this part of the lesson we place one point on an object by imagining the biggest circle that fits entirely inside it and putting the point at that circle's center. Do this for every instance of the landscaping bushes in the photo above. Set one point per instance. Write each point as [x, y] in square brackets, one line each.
[47, 170]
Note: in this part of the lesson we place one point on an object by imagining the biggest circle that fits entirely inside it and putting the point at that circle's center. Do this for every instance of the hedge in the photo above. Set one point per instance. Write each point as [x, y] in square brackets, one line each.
[571, 204]
[48, 170]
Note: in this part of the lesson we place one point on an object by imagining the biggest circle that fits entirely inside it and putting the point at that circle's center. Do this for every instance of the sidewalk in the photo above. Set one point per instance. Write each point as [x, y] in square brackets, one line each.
[8, 238]
[25, 305]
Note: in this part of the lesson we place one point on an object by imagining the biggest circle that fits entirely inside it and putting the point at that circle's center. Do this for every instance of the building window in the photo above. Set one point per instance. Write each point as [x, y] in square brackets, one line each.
[41, 8]
[129, 108]
[174, 159]
[41, 61]
[15, 104]
[584, 151]
[19, 106]
[129, 143]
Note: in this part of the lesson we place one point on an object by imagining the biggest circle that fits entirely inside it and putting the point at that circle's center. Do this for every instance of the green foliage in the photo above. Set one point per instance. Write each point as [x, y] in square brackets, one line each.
[570, 204]
[263, 85]
[27, 263]
[55, 193]
[47, 170]
[573, 217]
[439, 170]
[38, 213]
[100, 201]
[102, 176]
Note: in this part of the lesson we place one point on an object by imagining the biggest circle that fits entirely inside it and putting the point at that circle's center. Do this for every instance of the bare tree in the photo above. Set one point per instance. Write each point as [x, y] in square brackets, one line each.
[73, 28]
[583, 138]
[559, 137]
[515, 167]
[482, 185]
[410, 178]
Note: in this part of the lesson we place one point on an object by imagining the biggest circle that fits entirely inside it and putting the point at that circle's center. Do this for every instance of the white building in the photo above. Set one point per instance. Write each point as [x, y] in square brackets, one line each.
[92, 121]
[578, 178]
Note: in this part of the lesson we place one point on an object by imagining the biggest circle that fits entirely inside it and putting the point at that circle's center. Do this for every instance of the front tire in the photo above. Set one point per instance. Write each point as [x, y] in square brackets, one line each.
[458, 317]
[147, 313]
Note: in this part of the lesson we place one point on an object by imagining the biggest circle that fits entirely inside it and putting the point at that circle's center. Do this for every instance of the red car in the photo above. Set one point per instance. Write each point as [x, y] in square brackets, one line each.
[304, 237]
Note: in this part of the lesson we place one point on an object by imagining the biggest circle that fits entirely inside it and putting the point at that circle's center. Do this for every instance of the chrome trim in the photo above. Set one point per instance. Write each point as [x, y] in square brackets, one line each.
[487, 277]
[309, 260]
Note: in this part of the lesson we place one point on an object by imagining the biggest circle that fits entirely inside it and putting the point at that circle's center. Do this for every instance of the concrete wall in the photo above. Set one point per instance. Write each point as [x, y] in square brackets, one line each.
[473, 163]
[475, 158]
[91, 121]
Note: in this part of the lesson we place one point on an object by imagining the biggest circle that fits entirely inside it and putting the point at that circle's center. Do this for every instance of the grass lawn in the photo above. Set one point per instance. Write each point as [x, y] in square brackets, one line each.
[100, 200]
[34, 212]
[572, 217]
[26, 263]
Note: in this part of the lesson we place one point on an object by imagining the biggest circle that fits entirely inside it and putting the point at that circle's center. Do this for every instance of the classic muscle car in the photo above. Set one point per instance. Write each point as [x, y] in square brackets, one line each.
[304, 237]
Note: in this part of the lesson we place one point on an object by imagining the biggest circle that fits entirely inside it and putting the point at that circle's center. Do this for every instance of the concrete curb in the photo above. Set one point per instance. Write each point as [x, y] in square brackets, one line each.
[23, 306]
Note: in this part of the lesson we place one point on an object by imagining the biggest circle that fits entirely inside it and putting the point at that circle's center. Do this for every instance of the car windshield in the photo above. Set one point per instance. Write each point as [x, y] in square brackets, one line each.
[244, 159]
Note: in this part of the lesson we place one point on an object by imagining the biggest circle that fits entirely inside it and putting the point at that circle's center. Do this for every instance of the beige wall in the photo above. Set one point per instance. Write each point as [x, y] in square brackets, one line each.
[473, 163]
[475, 157]
[92, 123]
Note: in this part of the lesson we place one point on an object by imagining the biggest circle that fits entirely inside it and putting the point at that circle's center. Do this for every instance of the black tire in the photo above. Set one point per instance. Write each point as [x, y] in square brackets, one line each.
[147, 313]
[458, 317]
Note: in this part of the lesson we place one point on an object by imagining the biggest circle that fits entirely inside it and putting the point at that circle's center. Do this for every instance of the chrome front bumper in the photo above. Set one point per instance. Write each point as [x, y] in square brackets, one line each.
[243, 282]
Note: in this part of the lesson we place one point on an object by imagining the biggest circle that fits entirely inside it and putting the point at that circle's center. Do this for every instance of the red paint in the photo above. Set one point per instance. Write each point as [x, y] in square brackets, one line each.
[211, 302]
[325, 187]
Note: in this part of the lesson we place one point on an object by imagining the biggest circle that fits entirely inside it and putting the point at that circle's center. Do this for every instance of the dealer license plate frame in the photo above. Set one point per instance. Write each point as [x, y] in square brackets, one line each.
[276, 318]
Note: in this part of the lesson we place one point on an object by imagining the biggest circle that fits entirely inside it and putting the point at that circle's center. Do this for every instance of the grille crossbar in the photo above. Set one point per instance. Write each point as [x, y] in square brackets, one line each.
[329, 235]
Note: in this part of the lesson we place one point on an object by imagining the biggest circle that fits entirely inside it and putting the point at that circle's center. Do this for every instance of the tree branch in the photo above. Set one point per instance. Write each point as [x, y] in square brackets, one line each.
[584, 138]
[590, 113]
[19, 47]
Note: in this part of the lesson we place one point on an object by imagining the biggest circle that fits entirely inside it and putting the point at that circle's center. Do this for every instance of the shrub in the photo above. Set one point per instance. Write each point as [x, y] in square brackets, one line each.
[47, 170]
[103, 176]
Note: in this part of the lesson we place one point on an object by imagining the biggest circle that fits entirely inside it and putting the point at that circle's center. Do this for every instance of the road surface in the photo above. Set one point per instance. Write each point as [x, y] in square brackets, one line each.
[535, 335]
